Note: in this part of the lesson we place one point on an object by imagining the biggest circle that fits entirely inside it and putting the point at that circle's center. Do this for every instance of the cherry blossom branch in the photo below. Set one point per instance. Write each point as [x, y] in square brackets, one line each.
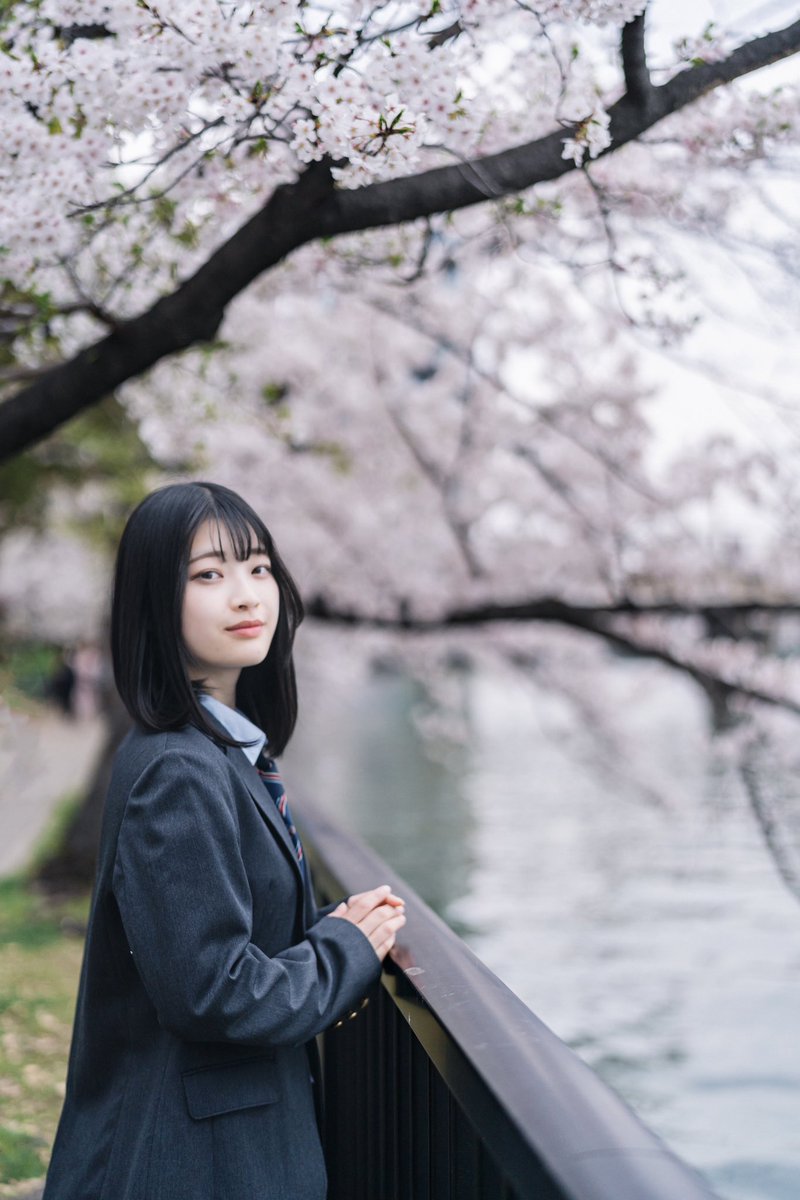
[443, 485]
[545, 608]
[714, 684]
[563, 73]
[14, 321]
[131, 195]
[445, 482]
[312, 208]
[538, 414]
[592, 619]
[592, 531]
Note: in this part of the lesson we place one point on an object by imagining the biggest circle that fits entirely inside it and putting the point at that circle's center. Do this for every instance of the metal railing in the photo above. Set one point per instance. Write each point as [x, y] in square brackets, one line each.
[447, 1087]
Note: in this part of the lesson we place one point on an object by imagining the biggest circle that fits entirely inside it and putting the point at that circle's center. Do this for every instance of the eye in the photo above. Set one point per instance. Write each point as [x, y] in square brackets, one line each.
[263, 569]
[209, 574]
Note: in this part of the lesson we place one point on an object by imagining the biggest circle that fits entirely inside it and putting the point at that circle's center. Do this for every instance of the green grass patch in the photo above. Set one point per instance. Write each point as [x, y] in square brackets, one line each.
[40, 959]
[33, 921]
[20, 1155]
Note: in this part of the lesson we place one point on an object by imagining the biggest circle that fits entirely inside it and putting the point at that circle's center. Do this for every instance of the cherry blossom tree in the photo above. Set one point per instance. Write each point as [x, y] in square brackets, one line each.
[420, 263]
[157, 162]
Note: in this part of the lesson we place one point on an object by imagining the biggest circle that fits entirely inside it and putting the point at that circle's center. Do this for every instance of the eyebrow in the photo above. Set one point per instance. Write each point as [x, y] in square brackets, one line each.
[207, 554]
[218, 554]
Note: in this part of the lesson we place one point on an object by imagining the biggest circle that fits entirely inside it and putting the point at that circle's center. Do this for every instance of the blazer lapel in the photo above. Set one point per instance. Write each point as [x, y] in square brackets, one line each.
[266, 805]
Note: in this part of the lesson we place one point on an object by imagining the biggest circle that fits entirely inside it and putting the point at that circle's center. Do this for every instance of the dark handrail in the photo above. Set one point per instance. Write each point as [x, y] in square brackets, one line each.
[448, 1085]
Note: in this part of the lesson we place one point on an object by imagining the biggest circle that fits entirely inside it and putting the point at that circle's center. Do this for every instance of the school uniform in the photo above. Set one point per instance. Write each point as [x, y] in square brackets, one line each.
[207, 971]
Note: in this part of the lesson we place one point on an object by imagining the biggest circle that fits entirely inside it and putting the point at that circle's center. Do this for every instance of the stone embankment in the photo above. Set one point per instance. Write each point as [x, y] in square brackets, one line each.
[43, 759]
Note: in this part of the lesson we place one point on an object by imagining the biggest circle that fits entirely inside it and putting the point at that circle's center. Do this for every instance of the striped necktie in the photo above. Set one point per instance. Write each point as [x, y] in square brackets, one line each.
[268, 770]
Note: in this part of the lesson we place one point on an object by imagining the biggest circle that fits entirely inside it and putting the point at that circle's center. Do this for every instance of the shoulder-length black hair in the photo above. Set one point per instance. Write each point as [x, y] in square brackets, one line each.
[151, 662]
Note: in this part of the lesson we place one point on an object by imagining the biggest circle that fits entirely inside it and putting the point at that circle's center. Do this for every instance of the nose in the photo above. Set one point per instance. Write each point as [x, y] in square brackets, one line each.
[245, 595]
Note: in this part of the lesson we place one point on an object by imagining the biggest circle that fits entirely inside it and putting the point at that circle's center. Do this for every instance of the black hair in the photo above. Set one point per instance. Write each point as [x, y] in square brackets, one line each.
[151, 662]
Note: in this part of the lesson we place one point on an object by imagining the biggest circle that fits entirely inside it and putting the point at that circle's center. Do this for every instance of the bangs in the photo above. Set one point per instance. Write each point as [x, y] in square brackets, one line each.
[246, 530]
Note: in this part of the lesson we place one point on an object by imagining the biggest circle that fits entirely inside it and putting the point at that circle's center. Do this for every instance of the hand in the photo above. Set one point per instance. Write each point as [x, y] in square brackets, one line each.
[378, 914]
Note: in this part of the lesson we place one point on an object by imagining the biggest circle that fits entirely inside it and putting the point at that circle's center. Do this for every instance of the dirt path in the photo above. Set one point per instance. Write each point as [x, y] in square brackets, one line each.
[42, 760]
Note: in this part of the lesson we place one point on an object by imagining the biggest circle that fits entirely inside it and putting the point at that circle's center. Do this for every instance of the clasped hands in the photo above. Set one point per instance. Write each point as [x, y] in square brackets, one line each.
[379, 914]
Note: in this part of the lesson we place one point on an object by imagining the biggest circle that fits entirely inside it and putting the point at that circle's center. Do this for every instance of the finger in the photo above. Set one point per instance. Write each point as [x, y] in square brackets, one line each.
[362, 903]
[369, 921]
[384, 946]
[367, 897]
[386, 896]
[377, 917]
[382, 920]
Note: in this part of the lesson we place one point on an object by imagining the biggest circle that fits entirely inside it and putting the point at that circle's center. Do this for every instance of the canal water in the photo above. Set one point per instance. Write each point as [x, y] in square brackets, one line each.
[621, 888]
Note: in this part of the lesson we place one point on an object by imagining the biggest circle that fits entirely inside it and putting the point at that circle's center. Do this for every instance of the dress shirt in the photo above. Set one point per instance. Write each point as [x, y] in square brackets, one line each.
[236, 724]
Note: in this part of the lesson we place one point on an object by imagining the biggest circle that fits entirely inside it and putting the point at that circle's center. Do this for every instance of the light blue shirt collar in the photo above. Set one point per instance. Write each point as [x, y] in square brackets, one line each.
[236, 724]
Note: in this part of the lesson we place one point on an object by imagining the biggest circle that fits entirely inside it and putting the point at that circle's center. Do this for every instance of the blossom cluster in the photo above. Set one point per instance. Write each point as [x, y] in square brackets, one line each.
[591, 135]
[166, 121]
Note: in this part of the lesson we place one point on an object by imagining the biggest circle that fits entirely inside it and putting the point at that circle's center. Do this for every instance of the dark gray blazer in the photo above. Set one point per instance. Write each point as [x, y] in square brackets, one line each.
[207, 969]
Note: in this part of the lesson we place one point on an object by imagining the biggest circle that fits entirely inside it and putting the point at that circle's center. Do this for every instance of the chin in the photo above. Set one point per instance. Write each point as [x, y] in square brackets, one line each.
[257, 655]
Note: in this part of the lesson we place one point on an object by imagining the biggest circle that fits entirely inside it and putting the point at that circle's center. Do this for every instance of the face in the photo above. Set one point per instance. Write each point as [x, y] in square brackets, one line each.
[230, 610]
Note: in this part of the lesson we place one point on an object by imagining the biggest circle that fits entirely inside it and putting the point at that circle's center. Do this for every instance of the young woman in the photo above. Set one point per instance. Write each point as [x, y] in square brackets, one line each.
[208, 968]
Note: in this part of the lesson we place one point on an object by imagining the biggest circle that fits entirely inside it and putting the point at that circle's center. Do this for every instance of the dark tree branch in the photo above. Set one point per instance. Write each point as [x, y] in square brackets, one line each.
[73, 33]
[715, 685]
[311, 208]
[189, 315]
[593, 619]
[638, 85]
[718, 616]
[445, 35]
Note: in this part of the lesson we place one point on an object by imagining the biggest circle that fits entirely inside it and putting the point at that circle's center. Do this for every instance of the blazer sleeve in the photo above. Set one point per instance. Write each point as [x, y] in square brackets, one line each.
[328, 908]
[185, 904]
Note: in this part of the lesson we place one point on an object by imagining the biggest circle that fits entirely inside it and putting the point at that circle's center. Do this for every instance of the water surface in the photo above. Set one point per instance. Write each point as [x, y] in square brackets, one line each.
[628, 899]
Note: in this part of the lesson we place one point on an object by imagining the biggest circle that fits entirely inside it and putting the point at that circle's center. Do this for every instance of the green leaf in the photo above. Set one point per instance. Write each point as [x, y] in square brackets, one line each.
[188, 236]
[273, 393]
[164, 210]
[78, 121]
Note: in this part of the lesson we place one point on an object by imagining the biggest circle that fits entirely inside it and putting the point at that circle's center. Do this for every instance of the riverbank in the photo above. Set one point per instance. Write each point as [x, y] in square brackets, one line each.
[44, 758]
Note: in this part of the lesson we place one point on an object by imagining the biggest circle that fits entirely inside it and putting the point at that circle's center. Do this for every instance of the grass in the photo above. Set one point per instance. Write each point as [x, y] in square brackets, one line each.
[40, 957]
[24, 673]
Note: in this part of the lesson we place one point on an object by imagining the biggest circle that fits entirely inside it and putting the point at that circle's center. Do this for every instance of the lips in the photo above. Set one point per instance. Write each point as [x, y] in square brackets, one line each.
[245, 625]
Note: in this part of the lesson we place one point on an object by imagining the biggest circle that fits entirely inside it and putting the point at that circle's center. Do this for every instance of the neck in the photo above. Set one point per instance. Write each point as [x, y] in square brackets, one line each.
[223, 690]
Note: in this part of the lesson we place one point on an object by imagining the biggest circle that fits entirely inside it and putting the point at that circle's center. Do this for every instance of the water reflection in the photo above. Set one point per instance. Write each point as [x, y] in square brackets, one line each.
[366, 760]
[646, 925]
